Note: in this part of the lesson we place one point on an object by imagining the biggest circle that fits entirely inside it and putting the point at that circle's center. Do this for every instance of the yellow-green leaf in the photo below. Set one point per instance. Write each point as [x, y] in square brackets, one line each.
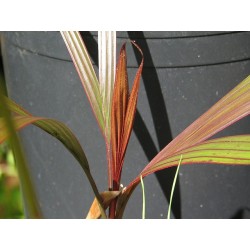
[233, 150]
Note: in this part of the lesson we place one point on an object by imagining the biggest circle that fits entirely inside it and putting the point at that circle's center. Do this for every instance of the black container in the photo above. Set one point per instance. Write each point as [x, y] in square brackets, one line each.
[185, 73]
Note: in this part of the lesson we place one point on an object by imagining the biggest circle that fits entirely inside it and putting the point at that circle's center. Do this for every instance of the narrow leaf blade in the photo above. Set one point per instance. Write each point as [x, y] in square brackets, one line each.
[119, 106]
[131, 108]
[122, 126]
[84, 67]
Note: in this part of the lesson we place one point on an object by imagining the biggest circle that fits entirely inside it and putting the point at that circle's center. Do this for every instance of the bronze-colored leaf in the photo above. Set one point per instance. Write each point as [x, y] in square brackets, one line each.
[123, 112]
[119, 107]
[130, 112]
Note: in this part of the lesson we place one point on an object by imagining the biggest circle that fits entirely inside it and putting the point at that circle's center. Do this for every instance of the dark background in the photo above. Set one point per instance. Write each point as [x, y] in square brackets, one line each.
[184, 74]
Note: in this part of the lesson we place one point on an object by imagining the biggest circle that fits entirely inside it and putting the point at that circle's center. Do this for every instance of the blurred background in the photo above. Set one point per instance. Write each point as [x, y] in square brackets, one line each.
[10, 195]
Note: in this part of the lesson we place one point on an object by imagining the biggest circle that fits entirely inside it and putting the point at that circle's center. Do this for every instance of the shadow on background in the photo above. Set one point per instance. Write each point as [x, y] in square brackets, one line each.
[161, 124]
[159, 115]
[243, 213]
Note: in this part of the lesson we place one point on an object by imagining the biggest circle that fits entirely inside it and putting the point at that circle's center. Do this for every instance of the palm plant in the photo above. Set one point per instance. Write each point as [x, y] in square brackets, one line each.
[114, 107]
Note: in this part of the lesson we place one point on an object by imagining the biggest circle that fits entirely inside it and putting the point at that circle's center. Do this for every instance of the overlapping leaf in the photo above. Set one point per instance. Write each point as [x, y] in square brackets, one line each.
[99, 92]
[191, 144]
[123, 112]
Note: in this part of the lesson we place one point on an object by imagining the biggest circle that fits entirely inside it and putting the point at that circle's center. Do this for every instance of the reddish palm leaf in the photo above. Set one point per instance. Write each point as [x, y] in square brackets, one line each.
[119, 106]
[191, 142]
[123, 112]
[231, 108]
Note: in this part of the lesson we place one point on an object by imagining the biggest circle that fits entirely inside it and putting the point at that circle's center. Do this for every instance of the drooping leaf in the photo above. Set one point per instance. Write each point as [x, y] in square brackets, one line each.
[123, 111]
[55, 128]
[107, 196]
[107, 65]
[27, 188]
[84, 67]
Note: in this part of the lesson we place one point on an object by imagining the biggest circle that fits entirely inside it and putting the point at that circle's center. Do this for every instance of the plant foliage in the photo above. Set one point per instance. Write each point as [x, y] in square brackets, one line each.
[114, 107]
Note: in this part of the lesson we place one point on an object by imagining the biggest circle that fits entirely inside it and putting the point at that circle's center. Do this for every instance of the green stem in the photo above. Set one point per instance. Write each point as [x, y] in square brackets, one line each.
[173, 187]
[143, 198]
